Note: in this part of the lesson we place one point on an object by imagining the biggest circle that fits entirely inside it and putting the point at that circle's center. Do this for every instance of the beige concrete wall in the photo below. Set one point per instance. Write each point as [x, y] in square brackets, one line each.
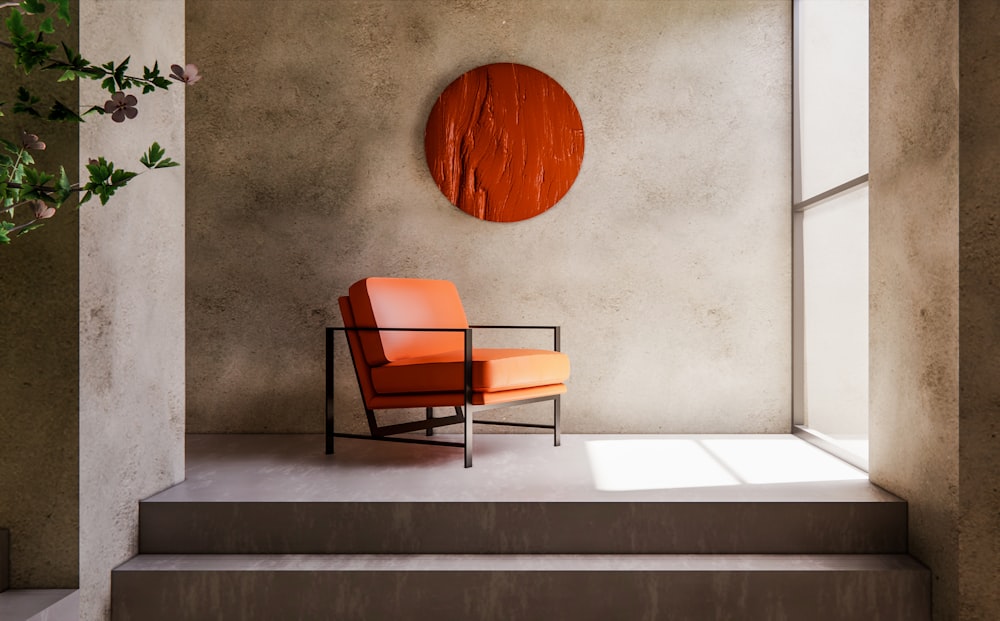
[935, 288]
[131, 300]
[913, 263]
[39, 362]
[667, 263]
[979, 307]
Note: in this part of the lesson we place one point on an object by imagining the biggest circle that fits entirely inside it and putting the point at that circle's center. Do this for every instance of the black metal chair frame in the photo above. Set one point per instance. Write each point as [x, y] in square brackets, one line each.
[463, 414]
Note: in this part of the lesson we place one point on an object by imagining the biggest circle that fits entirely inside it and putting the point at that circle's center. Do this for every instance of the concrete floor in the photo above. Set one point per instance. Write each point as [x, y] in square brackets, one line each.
[520, 467]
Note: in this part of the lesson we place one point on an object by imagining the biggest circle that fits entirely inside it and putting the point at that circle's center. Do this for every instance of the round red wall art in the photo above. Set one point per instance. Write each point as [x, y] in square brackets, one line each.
[504, 142]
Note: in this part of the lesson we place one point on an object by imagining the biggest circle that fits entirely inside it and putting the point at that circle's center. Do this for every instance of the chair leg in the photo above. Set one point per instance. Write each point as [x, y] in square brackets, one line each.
[329, 391]
[468, 437]
[556, 432]
[430, 415]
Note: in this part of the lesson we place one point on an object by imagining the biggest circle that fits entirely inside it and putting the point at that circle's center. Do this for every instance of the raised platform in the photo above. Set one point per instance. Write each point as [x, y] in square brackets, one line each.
[623, 527]
[643, 494]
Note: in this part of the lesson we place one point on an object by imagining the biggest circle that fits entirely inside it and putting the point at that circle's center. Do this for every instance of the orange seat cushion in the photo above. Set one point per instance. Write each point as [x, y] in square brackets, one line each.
[492, 370]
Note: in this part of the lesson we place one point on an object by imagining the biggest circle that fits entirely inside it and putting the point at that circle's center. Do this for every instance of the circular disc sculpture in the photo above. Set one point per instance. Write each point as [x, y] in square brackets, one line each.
[504, 142]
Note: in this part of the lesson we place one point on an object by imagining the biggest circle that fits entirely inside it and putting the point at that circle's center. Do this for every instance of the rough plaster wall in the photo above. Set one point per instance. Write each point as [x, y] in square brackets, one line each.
[979, 305]
[667, 263]
[38, 362]
[131, 300]
[913, 268]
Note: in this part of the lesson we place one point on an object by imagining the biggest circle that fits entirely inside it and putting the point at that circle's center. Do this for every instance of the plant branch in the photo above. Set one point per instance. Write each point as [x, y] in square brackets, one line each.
[76, 187]
[10, 5]
[6, 44]
[21, 227]
[13, 169]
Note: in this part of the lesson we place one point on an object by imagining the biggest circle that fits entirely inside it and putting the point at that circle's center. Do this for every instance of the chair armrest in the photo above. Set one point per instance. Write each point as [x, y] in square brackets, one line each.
[380, 329]
[556, 331]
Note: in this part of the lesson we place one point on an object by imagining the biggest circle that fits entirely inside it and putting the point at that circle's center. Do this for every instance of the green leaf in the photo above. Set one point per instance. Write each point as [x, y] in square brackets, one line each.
[63, 11]
[10, 146]
[46, 26]
[98, 169]
[73, 57]
[33, 7]
[152, 156]
[4, 227]
[86, 197]
[36, 178]
[121, 177]
[63, 187]
[29, 48]
[168, 163]
[109, 85]
[15, 25]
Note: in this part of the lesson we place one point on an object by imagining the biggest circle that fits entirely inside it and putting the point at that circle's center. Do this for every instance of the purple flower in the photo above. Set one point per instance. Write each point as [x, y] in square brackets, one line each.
[31, 141]
[121, 106]
[187, 74]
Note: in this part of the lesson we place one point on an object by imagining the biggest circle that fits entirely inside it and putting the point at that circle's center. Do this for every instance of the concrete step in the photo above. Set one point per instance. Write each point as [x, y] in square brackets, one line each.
[594, 495]
[522, 527]
[40, 605]
[485, 587]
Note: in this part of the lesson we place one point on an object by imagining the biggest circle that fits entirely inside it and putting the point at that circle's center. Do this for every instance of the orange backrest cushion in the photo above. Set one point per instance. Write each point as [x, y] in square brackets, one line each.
[407, 303]
[354, 341]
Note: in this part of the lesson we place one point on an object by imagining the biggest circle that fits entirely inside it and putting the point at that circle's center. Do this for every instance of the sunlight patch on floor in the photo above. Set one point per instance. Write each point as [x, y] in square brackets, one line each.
[671, 463]
[668, 463]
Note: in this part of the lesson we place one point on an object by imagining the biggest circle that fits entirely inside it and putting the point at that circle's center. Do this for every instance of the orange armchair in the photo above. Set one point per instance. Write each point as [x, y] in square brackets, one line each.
[411, 346]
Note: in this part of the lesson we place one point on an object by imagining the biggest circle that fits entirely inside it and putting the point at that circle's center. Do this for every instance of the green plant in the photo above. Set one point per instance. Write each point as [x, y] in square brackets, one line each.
[28, 196]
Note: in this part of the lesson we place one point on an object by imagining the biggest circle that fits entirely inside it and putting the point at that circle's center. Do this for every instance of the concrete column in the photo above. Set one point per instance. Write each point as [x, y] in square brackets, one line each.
[131, 298]
[935, 288]
[979, 310]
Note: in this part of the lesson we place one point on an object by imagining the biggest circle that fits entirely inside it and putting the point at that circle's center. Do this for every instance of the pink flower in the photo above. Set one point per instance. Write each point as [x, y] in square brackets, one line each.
[121, 106]
[31, 141]
[42, 211]
[187, 74]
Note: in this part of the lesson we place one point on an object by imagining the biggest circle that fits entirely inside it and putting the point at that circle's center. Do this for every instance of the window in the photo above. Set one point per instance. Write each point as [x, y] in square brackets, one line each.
[830, 224]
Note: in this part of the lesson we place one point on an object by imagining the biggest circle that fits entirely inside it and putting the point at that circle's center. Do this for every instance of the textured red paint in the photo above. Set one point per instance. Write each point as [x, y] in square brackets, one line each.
[504, 142]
